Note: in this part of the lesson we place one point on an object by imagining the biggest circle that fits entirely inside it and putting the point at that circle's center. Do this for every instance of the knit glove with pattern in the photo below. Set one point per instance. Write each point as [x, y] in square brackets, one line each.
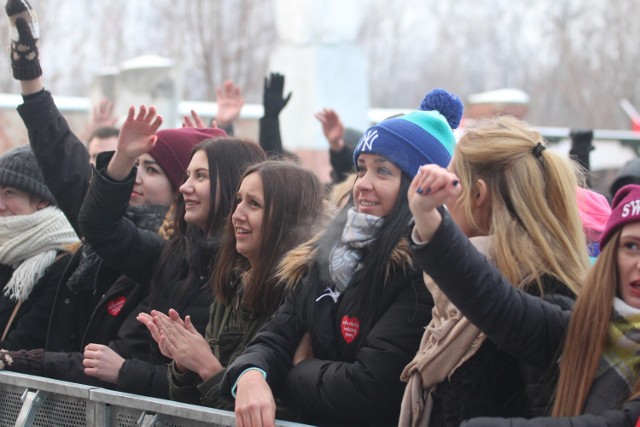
[24, 35]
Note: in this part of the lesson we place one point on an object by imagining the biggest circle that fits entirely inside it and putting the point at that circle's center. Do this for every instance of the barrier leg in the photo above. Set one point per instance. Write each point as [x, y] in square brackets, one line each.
[31, 402]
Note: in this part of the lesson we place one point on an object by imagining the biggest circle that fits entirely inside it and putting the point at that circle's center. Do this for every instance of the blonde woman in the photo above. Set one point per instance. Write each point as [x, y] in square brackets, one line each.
[599, 367]
[517, 203]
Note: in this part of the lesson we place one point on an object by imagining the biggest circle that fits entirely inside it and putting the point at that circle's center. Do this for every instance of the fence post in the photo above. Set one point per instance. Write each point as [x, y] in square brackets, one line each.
[581, 147]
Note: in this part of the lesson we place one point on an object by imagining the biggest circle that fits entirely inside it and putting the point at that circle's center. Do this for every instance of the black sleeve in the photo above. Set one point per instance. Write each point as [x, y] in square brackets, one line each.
[140, 377]
[341, 164]
[62, 157]
[528, 327]
[132, 251]
[133, 337]
[627, 416]
[270, 139]
[69, 367]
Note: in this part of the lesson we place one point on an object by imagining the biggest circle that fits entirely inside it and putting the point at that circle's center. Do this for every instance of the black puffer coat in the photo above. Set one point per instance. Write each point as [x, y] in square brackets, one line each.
[136, 253]
[95, 314]
[353, 379]
[528, 327]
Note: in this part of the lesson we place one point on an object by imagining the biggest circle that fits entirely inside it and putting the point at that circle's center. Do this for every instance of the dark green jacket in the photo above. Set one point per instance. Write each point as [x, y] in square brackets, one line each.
[229, 331]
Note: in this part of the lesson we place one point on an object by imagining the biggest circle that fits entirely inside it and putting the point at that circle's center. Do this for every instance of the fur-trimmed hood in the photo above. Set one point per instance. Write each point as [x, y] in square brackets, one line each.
[297, 262]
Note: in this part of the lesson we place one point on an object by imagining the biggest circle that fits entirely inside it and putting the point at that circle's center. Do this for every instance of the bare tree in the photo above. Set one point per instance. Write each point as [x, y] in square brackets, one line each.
[575, 58]
[222, 40]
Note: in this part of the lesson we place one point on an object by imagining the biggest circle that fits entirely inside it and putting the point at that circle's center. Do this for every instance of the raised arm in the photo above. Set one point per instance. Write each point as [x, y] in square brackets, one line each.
[62, 156]
[528, 327]
[274, 102]
[102, 220]
[137, 137]
[230, 102]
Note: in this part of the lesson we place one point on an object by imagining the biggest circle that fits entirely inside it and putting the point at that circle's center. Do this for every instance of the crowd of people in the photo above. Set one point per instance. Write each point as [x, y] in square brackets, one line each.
[434, 282]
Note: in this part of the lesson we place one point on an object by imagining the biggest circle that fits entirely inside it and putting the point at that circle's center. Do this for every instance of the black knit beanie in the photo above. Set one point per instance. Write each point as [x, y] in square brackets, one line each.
[19, 169]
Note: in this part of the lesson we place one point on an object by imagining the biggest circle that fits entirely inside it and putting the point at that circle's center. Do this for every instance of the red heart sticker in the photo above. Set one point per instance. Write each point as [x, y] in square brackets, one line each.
[350, 327]
[115, 305]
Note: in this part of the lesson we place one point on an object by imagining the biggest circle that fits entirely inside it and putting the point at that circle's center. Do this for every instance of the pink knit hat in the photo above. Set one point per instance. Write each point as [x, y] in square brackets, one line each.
[625, 210]
[594, 212]
[173, 149]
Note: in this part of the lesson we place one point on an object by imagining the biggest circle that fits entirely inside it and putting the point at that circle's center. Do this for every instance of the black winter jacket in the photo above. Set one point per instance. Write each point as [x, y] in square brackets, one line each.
[528, 327]
[627, 416]
[495, 383]
[28, 328]
[78, 317]
[352, 379]
[136, 253]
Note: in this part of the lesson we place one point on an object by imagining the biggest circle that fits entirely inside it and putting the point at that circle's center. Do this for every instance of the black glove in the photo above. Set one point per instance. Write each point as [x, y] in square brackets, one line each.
[24, 361]
[272, 99]
[24, 40]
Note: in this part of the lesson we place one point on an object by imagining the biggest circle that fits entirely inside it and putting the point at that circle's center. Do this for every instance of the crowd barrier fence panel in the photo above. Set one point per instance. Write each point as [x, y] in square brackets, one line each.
[27, 400]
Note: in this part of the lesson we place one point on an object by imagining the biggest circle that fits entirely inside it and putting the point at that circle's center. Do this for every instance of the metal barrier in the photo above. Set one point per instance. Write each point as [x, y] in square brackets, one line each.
[27, 400]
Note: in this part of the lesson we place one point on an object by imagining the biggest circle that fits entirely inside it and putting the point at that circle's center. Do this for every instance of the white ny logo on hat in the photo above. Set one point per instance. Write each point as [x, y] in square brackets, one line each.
[367, 140]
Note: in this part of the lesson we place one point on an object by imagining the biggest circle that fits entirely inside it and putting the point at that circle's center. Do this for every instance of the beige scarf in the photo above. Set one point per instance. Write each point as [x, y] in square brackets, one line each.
[448, 341]
[28, 243]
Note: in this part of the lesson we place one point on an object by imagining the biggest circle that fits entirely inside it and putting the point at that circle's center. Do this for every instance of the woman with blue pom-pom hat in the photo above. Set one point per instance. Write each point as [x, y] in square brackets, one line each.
[333, 352]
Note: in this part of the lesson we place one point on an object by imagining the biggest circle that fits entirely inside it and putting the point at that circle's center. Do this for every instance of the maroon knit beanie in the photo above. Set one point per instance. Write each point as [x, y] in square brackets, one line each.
[625, 209]
[173, 149]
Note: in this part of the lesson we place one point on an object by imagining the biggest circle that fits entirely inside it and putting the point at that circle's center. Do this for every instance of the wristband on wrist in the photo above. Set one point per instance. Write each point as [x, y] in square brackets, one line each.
[235, 385]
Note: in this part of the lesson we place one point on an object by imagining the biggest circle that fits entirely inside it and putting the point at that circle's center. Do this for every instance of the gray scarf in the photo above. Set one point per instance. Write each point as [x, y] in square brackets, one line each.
[344, 260]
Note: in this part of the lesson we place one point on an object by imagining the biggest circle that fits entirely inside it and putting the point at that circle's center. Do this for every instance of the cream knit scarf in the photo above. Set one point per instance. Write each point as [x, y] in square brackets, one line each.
[448, 341]
[28, 243]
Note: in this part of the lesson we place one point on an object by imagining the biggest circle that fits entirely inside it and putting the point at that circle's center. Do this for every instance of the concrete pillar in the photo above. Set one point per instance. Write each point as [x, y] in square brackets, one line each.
[323, 67]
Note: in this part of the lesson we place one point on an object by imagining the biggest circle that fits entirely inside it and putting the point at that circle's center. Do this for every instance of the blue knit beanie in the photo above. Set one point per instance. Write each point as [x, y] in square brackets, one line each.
[418, 138]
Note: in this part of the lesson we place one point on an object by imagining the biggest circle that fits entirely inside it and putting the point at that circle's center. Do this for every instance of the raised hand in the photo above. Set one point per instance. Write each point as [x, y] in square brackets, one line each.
[103, 114]
[273, 98]
[24, 33]
[196, 122]
[102, 362]
[230, 102]
[137, 136]
[431, 187]
[332, 128]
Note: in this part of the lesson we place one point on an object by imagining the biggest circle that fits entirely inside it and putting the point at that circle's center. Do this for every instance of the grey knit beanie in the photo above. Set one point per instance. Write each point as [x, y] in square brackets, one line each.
[19, 169]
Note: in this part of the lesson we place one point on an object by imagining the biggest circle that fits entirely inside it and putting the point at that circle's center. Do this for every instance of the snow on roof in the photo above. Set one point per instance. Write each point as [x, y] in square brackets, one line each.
[64, 103]
[147, 61]
[500, 96]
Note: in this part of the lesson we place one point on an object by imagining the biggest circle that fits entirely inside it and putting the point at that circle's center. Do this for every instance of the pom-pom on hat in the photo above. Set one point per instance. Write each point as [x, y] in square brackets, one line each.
[417, 138]
[594, 212]
[173, 149]
[625, 209]
[19, 169]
